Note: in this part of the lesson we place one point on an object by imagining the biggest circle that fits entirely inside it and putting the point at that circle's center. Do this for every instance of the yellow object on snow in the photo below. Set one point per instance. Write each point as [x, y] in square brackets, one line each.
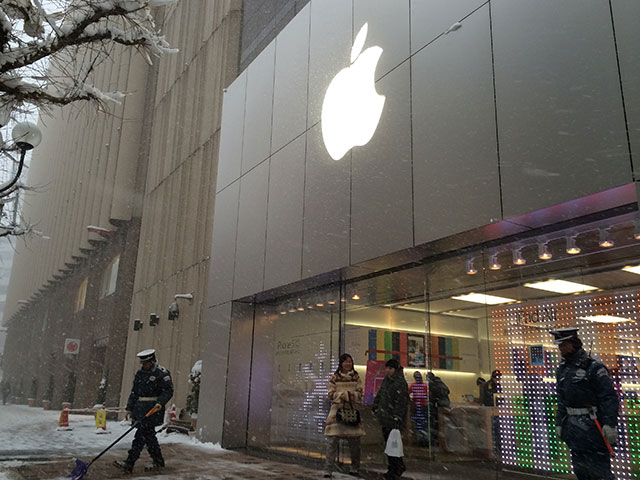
[101, 419]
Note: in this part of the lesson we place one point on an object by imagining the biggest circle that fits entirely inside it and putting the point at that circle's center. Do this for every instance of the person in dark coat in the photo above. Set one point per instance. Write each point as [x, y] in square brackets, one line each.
[6, 391]
[487, 392]
[390, 408]
[152, 387]
[586, 395]
[438, 398]
[490, 388]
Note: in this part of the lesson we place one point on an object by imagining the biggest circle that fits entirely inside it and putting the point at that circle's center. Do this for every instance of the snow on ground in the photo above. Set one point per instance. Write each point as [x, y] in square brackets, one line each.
[29, 439]
[32, 432]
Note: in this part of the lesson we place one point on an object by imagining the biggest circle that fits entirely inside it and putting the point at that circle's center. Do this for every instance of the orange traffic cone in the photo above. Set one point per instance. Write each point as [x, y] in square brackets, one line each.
[63, 422]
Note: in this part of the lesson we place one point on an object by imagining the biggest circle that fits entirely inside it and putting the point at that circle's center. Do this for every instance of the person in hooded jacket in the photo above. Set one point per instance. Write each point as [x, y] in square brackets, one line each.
[390, 408]
[152, 387]
[586, 398]
[438, 398]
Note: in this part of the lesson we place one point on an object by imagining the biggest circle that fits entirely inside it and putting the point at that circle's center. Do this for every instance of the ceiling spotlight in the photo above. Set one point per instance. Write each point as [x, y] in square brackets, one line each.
[636, 229]
[331, 302]
[572, 248]
[471, 269]
[283, 312]
[543, 252]
[605, 241]
[493, 264]
[356, 297]
[292, 309]
[518, 259]
[319, 304]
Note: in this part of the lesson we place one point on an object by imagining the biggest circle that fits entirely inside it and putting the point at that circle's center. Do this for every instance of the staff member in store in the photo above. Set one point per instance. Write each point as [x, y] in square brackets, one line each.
[152, 387]
[587, 418]
[490, 388]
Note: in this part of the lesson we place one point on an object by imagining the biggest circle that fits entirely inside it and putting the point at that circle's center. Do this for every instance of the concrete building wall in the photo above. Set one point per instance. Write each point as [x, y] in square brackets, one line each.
[146, 171]
[177, 216]
[37, 335]
[83, 174]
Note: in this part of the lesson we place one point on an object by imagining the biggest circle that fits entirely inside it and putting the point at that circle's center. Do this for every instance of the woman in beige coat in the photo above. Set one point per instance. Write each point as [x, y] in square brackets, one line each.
[345, 386]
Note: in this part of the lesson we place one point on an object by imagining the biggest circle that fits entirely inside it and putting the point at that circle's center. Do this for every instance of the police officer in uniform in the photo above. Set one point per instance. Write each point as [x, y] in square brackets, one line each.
[152, 387]
[586, 398]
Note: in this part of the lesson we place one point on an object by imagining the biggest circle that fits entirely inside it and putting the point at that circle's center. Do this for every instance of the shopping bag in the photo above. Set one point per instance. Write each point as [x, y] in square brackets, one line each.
[394, 444]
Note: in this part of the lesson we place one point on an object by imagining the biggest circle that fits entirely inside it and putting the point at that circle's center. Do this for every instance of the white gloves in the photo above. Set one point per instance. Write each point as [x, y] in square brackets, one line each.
[158, 406]
[611, 434]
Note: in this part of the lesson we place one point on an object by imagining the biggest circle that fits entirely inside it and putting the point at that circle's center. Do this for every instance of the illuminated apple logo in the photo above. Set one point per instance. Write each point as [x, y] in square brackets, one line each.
[351, 109]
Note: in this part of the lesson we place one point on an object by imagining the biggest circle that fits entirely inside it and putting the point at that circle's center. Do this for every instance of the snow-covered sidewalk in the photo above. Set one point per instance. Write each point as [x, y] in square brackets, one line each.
[32, 432]
[32, 448]
[29, 436]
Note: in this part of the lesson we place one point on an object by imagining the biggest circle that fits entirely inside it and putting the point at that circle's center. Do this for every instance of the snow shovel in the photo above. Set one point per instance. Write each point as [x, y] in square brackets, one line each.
[80, 471]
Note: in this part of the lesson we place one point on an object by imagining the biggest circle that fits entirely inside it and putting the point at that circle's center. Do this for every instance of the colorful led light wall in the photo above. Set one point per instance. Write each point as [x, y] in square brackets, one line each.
[525, 354]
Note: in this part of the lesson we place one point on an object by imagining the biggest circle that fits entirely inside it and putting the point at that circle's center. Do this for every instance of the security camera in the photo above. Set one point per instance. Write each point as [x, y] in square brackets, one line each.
[174, 311]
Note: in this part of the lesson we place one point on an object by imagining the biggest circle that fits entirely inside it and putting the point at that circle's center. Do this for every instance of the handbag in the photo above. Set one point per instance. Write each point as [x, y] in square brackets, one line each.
[348, 415]
[394, 444]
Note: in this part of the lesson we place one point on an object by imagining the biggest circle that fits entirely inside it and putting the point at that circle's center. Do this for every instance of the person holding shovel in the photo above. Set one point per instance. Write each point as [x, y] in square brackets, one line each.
[587, 418]
[152, 386]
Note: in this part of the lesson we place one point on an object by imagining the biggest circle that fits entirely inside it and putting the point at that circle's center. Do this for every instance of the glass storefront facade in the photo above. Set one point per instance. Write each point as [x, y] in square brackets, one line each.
[495, 201]
[458, 316]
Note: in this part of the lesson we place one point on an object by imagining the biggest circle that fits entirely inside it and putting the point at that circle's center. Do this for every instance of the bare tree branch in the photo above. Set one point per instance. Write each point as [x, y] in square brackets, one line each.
[48, 51]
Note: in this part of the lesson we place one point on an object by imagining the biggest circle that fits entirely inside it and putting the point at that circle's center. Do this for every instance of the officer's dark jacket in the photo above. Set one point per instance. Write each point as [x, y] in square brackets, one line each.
[392, 400]
[154, 384]
[583, 381]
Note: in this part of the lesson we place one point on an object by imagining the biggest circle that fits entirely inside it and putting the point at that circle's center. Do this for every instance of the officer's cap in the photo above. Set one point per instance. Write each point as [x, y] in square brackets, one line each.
[563, 335]
[148, 355]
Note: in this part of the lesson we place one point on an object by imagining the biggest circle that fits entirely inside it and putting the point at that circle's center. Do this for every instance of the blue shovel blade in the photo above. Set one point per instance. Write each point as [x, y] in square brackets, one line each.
[79, 472]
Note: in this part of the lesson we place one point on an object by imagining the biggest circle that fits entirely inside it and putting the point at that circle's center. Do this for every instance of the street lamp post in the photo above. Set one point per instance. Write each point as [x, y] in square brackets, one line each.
[26, 136]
